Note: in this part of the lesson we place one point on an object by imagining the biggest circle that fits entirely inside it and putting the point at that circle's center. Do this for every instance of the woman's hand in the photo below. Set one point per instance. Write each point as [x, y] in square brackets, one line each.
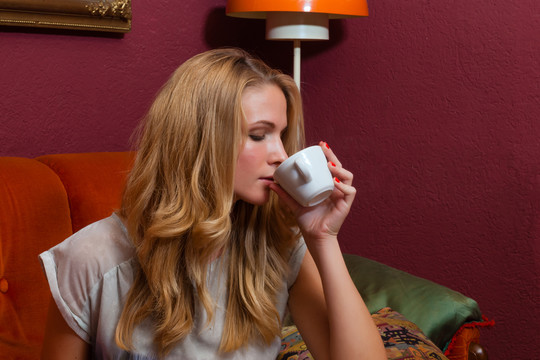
[324, 220]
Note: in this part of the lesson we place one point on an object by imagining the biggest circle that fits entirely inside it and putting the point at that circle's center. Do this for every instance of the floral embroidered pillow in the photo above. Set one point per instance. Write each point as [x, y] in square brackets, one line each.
[402, 340]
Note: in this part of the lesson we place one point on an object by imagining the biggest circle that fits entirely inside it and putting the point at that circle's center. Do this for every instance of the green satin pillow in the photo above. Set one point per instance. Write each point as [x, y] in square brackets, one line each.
[436, 309]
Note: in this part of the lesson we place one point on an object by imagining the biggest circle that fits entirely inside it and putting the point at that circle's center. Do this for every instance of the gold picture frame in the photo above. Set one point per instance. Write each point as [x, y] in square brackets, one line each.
[90, 15]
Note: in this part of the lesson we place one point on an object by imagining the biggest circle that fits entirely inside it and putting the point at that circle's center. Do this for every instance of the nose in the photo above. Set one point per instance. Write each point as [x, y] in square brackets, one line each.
[277, 153]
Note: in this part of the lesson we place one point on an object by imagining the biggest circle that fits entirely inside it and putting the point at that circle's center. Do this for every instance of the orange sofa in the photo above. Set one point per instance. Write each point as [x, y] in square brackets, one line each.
[46, 199]
[42, 202]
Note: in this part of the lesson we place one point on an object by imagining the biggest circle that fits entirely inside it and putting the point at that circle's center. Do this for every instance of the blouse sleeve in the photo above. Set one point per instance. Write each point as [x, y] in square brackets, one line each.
[68, 279]
[297, 256]
[75, 270]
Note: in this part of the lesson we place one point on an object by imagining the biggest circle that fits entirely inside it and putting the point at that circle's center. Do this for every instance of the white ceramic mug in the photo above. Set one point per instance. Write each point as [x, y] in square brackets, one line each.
[306, 177]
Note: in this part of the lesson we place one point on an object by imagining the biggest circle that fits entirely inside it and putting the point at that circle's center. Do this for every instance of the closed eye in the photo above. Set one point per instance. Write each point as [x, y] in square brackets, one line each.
[257, 137]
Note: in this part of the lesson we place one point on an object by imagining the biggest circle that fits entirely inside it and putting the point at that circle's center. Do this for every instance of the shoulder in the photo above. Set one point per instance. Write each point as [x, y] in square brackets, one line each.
[98, 247]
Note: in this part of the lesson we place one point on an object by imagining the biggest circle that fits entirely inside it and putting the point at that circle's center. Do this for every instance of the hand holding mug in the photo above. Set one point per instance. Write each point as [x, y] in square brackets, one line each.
[326, 217]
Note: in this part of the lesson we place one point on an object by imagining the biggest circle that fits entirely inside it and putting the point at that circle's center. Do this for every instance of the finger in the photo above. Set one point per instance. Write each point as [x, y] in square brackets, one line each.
[348, 191]
[329, 153]
[342, 174]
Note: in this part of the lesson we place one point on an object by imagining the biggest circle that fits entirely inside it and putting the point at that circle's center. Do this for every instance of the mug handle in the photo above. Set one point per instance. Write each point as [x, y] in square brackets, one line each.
[302, 169]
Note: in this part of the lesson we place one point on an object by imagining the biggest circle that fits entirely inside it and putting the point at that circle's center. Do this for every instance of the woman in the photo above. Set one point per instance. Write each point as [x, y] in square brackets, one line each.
[203, 258]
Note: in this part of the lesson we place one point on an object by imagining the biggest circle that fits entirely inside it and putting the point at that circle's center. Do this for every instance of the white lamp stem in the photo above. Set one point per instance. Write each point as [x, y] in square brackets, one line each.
[296, 65]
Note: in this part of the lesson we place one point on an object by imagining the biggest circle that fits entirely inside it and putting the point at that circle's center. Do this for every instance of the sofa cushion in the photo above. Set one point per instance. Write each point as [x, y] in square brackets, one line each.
[402, 340]
[436, 309]
[93, 182]
[292, 345]
[34, 216]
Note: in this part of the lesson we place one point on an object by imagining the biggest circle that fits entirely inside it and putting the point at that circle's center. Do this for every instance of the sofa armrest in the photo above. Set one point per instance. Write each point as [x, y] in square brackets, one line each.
[436, 309]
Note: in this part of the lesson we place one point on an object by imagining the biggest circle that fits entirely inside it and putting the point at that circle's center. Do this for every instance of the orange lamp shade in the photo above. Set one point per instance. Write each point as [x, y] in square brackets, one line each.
[334, 8]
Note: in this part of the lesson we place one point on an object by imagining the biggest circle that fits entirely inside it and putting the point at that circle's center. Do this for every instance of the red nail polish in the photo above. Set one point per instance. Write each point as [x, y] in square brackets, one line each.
[326, 144]
[337, 180]
[331, 163]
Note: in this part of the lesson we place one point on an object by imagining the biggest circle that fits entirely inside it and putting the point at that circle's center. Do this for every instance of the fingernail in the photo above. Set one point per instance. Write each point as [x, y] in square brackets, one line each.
[326, 144]
[337, 180]
[331, 163]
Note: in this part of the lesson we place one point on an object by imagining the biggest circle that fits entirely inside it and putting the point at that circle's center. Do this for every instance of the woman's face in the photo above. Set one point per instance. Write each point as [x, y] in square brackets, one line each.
[265, 109]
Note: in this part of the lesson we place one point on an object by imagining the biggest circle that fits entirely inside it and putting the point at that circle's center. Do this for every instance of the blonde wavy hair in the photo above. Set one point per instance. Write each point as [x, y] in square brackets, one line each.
[179, 207]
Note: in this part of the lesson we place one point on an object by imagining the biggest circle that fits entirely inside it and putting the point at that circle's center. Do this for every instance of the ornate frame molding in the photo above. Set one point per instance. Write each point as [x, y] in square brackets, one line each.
[90, 15]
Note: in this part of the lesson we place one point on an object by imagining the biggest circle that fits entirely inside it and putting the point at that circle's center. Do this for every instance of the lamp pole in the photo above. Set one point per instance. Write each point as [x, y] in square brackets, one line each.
[296, 62]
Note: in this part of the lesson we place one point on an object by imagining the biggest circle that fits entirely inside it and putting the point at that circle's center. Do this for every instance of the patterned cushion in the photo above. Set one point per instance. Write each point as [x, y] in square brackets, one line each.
[292, 345]
[402, 339]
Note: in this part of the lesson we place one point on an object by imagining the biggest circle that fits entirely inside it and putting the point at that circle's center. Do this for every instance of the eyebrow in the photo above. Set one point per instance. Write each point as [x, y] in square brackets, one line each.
[269, 124]
[264, 122]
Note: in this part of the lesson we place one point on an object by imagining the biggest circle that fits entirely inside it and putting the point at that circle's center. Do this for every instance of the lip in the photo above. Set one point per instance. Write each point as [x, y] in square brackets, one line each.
[268, 179]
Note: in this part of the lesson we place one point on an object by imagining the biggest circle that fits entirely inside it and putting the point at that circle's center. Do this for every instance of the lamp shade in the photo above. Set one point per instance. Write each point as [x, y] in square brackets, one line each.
[258, 9]
[296, 20]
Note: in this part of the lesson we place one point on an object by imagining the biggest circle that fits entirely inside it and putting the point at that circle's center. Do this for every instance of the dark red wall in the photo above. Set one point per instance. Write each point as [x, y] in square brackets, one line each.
[433, 105]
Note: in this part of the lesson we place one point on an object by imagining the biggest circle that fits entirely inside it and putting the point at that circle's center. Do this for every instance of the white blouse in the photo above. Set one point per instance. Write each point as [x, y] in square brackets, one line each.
[90, 274]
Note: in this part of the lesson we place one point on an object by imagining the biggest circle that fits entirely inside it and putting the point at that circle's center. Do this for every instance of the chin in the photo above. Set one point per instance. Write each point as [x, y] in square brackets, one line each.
[256, 200]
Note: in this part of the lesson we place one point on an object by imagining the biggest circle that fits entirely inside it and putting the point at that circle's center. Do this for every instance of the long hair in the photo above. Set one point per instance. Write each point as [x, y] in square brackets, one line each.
[179, 208]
